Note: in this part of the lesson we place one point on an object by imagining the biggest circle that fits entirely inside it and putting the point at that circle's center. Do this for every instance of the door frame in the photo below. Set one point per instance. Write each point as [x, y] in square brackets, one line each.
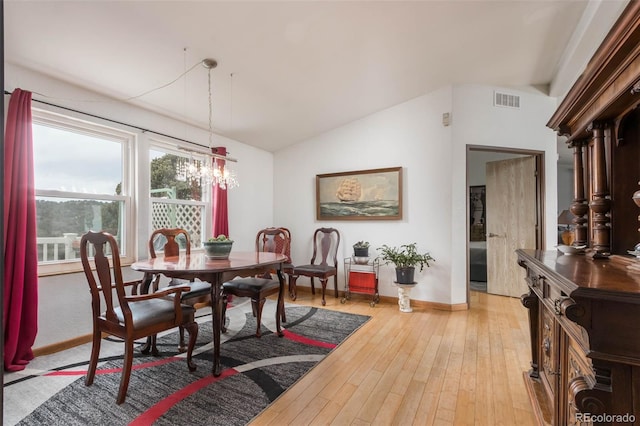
[540, 195]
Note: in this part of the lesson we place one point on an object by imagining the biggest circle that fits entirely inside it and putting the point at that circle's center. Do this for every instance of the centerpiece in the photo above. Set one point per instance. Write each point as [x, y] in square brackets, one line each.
[218, 247]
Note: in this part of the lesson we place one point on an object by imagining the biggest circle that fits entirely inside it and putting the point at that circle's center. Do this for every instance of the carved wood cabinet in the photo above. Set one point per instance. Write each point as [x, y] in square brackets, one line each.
[584, 310]
[585, 338]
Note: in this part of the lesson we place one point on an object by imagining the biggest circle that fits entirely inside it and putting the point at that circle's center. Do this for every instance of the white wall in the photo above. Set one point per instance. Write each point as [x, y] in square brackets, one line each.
[64, 311]
[478, 122]
[433, 158]
[410, 135]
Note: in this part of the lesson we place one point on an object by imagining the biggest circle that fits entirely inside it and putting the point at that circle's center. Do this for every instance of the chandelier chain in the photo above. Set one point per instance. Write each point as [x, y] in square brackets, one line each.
[210, 114]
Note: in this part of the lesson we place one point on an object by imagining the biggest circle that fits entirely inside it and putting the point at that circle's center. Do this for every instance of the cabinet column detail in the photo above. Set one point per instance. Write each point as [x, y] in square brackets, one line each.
[579, 206]
[600, 203]
[530, 301]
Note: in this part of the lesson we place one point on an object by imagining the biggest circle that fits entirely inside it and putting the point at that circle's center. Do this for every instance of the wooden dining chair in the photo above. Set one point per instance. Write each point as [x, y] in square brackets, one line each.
[171, 240]
[128, 316]
[323, 264]
[275, 240]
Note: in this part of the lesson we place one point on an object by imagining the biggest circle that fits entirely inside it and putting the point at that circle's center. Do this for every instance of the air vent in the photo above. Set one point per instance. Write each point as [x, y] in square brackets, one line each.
[506, 100]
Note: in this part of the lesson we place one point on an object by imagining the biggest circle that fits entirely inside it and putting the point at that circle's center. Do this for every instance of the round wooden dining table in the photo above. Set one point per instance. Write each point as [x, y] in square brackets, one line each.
[215, 272]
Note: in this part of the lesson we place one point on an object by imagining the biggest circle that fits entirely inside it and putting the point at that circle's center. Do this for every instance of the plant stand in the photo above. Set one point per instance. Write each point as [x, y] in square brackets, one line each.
[404, 296]
[361, 278]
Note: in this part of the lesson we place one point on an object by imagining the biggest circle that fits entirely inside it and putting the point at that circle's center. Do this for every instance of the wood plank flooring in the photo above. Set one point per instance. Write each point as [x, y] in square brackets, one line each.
[428, 367]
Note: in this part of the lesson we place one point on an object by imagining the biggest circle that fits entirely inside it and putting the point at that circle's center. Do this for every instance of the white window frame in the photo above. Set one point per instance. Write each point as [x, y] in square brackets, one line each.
[183, 150]
[128, 141]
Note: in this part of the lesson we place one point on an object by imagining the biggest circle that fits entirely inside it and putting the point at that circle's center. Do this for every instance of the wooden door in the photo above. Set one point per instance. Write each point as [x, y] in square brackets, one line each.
[511, 222]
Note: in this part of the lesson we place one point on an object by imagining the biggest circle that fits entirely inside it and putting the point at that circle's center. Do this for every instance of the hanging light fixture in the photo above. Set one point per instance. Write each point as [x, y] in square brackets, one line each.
[219, 173]
[215, 168]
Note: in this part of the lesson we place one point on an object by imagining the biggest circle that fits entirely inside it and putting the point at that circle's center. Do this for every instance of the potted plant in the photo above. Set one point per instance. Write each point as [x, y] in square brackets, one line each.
[218, 247]
[406, 258]
[361, 249]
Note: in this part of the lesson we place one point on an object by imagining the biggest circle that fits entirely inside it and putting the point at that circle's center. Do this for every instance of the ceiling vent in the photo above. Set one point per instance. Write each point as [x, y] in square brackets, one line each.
[506, 100]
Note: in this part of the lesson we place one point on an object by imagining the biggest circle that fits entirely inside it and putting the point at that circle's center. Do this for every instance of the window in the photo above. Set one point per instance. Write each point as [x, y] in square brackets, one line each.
[82, 183]
[176, 200]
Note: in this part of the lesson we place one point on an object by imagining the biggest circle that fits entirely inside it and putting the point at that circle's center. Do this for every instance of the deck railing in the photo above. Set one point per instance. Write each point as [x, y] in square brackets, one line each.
[67, 247]
[51, 249]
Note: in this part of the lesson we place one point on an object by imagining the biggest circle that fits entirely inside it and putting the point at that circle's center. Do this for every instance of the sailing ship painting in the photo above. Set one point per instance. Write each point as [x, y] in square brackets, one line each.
[366, 195]
[349, 190]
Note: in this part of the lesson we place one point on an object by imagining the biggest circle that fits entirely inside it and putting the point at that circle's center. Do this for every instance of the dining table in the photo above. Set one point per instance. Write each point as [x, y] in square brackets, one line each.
[215, 272]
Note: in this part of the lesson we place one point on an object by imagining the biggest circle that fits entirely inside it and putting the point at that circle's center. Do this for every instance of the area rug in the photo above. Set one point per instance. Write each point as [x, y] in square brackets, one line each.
[163, 392]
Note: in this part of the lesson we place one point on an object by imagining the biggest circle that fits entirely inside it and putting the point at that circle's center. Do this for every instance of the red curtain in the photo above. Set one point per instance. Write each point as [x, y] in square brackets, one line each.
[20, 316]
[219, 204]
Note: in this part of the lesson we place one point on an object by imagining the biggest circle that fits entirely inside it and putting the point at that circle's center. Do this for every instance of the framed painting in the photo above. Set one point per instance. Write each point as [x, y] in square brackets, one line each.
[374, 194]
[477, 212]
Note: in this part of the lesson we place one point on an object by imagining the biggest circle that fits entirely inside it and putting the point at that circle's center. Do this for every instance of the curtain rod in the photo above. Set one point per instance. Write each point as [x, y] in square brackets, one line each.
[142, 129]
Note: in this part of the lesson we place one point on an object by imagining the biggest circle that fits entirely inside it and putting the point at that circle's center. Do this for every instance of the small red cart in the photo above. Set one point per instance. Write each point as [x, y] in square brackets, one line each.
[362, 278]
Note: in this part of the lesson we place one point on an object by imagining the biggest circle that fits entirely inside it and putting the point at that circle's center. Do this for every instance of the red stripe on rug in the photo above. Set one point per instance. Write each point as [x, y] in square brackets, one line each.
[301, 339]
[157, 410]
[114, 370]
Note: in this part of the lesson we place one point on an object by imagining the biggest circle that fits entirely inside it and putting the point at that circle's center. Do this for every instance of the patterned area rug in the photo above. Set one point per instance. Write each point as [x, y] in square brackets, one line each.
[163, 392]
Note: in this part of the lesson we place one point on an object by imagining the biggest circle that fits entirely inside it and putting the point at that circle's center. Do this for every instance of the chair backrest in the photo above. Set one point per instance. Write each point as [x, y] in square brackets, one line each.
[325, 246]
[172, 239]
[106, 275]
[275, 240]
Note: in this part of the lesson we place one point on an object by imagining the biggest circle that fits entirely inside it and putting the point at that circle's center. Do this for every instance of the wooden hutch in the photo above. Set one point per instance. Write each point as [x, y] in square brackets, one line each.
[584, 310]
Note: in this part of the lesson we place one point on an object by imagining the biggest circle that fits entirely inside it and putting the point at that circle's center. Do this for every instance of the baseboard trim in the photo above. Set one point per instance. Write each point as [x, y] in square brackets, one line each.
[61, 346]
[440, 306]
[394, 300]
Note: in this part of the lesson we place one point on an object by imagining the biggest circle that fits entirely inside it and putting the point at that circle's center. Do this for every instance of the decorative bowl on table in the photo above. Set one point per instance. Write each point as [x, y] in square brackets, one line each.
[217, 248]
[565, 249]
[361, 260]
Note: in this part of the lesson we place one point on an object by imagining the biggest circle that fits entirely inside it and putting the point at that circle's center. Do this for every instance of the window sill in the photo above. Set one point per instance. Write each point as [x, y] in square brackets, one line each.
[49, 269]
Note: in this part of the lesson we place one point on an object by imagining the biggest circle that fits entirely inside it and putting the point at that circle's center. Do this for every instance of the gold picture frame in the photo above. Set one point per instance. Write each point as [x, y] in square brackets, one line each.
[374, 194]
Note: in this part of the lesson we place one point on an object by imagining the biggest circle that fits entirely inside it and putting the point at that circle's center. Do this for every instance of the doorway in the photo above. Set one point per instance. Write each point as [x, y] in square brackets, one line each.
[488, 269]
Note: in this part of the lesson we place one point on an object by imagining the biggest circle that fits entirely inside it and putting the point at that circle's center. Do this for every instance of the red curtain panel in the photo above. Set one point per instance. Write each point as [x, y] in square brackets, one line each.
[219, 204]
[20, 316]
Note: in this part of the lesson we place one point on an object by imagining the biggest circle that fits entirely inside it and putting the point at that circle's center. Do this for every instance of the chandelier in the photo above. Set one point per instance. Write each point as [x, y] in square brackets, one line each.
[214, 168]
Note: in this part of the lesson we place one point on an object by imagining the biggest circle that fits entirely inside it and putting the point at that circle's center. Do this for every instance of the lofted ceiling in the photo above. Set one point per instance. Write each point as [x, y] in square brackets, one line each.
[287, 71]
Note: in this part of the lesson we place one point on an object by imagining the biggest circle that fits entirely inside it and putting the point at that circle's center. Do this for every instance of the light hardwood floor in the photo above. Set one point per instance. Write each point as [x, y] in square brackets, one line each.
[421, 368]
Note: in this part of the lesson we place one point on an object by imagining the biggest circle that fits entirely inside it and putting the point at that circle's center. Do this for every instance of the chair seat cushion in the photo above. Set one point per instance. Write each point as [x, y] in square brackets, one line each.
[152, 311]
[314, 270]
[287, 267]
[252, 284]
[198, 289]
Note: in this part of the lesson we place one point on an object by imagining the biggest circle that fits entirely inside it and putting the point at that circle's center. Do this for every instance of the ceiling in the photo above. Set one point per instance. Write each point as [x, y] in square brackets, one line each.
[287, 71]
